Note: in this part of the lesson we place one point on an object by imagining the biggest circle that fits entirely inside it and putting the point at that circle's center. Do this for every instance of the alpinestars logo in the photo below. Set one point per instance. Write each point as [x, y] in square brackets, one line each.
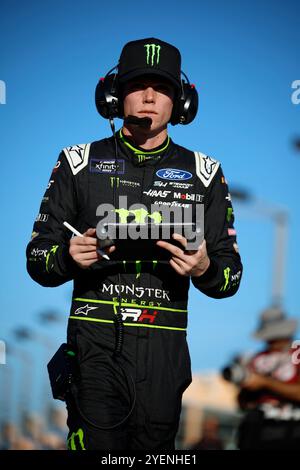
[77, 149]
[84, 310]
[152, 54]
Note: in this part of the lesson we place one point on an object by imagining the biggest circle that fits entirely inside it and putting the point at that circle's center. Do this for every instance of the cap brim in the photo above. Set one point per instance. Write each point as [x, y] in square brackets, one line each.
[284, 329]
[139, 72]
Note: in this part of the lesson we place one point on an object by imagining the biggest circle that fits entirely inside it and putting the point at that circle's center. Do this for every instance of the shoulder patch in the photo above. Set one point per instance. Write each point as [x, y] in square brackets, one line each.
[206, 168]
[77, 156]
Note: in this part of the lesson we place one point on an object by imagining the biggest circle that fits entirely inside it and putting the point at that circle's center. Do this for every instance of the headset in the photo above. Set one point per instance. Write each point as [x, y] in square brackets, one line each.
[109, 101]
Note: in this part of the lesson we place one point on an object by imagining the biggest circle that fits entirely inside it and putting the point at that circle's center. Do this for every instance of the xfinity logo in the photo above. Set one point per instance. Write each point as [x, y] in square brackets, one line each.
[174, 174]
[107, 166]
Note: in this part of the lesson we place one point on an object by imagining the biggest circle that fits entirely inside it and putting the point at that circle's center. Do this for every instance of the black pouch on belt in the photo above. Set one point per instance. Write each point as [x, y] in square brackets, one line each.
[62, 371]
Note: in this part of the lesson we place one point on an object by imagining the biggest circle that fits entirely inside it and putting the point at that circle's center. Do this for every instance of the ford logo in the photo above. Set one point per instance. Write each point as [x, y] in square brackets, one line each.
[173, 174]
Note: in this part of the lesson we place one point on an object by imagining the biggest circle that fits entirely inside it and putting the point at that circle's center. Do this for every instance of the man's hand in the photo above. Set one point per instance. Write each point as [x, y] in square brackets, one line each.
[290, 391]
[187, 263]
[255, 382]
[84, 249]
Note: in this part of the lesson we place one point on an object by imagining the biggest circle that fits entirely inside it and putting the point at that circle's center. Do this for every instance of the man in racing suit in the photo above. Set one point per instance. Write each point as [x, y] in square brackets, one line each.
[153, 369]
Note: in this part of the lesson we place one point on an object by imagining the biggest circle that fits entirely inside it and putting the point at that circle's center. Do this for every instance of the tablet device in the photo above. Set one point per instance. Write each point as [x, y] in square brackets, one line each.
[138, 241]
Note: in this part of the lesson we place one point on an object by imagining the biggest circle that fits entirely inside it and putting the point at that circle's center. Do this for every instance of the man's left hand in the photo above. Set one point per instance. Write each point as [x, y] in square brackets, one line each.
[187, 263]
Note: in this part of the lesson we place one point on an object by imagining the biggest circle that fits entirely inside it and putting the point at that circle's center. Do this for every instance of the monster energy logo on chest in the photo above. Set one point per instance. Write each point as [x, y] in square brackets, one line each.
[152, 54]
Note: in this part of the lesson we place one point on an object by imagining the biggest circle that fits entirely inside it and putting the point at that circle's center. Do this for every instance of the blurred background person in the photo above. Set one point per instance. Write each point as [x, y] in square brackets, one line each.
[9, 435]
[57, 429]
[270, 388]
[210, 439]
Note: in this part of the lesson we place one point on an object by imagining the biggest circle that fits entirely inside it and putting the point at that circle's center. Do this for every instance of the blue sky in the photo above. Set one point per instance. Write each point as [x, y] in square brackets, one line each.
[242, 56]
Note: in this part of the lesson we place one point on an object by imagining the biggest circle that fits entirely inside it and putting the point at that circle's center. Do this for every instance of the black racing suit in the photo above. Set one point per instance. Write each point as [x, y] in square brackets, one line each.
[153, 296]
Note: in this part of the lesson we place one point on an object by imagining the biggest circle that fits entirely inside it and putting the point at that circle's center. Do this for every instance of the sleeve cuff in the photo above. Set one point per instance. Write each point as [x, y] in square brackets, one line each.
[67, 265]
[208, 279]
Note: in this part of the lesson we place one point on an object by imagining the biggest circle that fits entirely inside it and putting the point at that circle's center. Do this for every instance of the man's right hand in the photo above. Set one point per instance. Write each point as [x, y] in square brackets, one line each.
[83, 250]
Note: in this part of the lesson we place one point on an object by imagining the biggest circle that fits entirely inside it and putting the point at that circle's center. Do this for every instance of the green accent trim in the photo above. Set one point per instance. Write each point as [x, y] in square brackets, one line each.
[229, 213]
[140, 151]
[154, 264]
[226, 276]
[126, 304]
[71, 441]
[52, 251]
[138, 267]
[71, 353]
[98, 320]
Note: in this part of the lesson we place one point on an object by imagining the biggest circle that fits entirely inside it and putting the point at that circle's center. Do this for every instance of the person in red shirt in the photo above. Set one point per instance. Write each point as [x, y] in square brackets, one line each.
[270, 393]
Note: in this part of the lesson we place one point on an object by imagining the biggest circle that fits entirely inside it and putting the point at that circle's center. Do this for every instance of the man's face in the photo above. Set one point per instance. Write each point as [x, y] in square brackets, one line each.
[149, 97]
[279, 344]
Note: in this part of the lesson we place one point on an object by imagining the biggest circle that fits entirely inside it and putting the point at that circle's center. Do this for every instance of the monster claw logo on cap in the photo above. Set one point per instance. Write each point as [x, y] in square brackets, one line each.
[155, 53]
[150, 56]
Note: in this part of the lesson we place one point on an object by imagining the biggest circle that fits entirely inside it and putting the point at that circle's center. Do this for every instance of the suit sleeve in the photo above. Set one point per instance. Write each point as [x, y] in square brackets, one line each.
[48, 259]
[223, 276]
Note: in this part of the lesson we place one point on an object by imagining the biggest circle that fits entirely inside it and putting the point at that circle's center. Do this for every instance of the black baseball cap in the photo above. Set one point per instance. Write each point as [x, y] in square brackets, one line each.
[150, 56]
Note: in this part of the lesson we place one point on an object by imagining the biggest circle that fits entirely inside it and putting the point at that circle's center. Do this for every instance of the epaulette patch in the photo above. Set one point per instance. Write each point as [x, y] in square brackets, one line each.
[77, 156]
[206, 168]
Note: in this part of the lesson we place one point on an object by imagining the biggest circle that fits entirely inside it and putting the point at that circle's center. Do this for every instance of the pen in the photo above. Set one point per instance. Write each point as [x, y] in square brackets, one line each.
[73, 230]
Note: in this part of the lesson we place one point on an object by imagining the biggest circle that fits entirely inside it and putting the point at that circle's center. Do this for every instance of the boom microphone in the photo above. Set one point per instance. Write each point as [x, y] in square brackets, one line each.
[137, 121]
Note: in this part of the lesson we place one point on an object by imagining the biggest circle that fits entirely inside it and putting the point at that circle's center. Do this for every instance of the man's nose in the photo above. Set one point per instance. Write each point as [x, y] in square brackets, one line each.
[149, 95]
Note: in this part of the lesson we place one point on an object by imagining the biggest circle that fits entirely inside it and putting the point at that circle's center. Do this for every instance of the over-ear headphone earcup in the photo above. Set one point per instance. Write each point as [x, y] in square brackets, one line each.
[107, 100]
[185, 106]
